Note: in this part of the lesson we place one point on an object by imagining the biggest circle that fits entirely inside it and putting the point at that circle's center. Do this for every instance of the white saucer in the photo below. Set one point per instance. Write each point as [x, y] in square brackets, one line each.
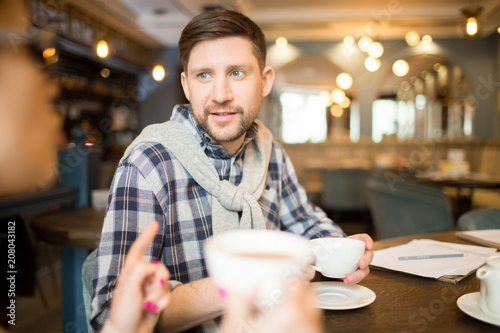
[469, 303]
[339, 296]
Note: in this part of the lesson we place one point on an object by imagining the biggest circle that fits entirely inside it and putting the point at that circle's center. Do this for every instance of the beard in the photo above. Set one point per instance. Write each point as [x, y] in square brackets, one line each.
[228, 132]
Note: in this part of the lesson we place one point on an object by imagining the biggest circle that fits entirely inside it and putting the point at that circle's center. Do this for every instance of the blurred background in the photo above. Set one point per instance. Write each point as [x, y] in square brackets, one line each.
[407, 87]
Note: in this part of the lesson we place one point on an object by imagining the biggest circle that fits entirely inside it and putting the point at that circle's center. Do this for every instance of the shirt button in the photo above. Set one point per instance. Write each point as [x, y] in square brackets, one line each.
[268, 187]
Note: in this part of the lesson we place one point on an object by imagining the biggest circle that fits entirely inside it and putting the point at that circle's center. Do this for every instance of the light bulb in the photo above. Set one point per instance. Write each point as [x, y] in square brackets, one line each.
[49, 52]
[158, 72]
[281, 42]
[348, 40]
[471, 26]
[344, 81]
[372, 64]
[427, 39]
[345, 103]
[105, 72]
[400, 68]
[336, 111]
[375, 50]
[364, 43]
[338, 95]
[326, 96]
[412, 38]
[102, 49]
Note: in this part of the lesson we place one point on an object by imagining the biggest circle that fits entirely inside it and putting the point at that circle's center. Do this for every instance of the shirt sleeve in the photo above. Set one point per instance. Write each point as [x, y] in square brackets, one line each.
[297, 213]
[132, 205]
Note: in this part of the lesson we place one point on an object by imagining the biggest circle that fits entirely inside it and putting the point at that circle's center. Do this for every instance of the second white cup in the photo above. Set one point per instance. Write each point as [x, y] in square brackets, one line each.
[489, 275]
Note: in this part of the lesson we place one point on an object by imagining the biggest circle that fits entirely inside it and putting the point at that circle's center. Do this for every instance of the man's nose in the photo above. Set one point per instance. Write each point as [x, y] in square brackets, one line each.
[222, 91]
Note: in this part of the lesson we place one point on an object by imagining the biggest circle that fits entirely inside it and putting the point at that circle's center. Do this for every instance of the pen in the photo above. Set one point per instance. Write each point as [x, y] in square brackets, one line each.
[435, 256]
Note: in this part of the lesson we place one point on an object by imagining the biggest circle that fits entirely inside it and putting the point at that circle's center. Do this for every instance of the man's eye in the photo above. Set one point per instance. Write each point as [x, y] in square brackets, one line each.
[203, 76]
[237, 73]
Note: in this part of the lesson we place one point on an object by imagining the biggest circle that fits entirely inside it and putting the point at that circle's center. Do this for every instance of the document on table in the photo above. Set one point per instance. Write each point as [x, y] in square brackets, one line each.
[488, 237]
[446, 269]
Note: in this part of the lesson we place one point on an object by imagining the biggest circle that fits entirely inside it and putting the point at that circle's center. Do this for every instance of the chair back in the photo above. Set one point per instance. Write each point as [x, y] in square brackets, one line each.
[481, 218]
[405, 207]
[345, 189]
[87, 270]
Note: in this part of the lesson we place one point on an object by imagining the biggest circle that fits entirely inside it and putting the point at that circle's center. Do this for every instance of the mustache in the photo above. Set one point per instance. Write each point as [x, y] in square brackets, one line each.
[224, 107]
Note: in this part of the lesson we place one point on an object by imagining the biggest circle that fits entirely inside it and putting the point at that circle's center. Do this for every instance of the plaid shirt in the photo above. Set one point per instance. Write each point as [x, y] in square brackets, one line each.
[151, 184]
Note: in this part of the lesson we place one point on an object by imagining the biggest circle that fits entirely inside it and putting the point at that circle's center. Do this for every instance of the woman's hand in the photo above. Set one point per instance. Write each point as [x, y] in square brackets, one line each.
[142, 291]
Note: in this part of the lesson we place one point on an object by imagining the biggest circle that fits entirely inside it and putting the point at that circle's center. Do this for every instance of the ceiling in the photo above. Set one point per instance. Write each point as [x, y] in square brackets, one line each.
[163, 20]
[159, 23]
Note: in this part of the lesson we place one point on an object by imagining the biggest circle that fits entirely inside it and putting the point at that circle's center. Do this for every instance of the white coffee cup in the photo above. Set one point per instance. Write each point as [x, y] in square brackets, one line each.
[489, 301]
[256, 261]
[337, 257]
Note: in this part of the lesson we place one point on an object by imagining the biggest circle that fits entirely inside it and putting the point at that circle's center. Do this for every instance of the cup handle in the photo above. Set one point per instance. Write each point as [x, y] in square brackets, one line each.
[482, 272]
[316, 268]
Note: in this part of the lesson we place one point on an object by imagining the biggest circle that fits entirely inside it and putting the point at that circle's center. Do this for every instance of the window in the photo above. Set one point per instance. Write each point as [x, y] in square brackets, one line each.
[304, 117]
[384, 119]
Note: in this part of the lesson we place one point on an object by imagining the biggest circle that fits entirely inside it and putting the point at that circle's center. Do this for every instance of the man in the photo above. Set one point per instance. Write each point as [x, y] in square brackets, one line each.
[183, 173]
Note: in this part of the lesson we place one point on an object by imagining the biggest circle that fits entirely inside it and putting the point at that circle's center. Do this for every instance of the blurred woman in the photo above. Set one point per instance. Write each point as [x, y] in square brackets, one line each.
[29, 126]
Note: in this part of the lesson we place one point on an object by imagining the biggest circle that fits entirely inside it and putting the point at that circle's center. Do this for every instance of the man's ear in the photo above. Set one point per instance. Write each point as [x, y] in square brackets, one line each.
[184, 84]
[267, 80]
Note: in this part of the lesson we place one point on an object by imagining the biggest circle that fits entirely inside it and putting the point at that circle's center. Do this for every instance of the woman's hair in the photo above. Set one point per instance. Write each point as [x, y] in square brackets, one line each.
[219, 23]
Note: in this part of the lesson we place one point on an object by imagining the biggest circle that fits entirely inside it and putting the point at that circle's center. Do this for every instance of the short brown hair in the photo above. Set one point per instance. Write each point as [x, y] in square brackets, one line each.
[219, 23]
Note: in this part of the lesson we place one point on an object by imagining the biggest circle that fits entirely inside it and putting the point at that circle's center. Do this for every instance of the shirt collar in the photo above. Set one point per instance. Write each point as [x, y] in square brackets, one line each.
[183, 113]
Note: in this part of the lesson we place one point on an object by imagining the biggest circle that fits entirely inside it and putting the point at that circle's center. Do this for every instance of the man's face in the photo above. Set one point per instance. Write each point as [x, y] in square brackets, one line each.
[225, 86]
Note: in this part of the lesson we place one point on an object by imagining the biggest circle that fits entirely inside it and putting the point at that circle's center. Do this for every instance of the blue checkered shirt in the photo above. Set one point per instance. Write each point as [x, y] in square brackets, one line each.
[151, 184]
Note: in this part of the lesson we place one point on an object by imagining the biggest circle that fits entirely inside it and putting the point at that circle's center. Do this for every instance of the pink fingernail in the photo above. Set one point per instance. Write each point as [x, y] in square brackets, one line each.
[162, 282]
[155, 262]
[154, 308]
[222, 292]
[147, 305]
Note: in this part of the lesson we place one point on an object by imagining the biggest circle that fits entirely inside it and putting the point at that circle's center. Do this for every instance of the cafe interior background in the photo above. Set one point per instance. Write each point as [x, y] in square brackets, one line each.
[371, 84]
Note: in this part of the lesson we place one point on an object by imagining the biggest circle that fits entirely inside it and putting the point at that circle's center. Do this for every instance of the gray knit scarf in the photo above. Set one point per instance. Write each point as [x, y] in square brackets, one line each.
[227, 199]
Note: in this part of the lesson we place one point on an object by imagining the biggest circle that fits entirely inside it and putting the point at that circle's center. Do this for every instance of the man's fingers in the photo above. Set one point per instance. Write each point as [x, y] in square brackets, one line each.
[365, 238]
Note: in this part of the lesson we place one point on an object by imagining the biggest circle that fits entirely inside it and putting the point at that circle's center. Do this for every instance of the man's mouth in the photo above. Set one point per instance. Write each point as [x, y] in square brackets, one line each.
[222, 113]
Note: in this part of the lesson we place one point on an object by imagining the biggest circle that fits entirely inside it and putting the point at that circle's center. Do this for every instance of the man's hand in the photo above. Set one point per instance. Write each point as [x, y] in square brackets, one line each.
[364, 262]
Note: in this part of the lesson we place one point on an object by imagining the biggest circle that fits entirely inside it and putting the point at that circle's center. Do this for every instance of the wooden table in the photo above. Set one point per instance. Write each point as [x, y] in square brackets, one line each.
[407, 303]
[74, 228]
[77, 231]
[58, 196]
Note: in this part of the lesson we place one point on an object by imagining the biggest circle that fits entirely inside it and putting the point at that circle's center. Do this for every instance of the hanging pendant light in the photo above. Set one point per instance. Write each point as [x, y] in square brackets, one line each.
[158, 72]
[372, 64]
[400, 68]
[102, 49]
[472, 22]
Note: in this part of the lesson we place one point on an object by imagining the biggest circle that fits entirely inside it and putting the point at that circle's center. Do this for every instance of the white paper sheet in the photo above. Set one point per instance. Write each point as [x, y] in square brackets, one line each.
[433, 268]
